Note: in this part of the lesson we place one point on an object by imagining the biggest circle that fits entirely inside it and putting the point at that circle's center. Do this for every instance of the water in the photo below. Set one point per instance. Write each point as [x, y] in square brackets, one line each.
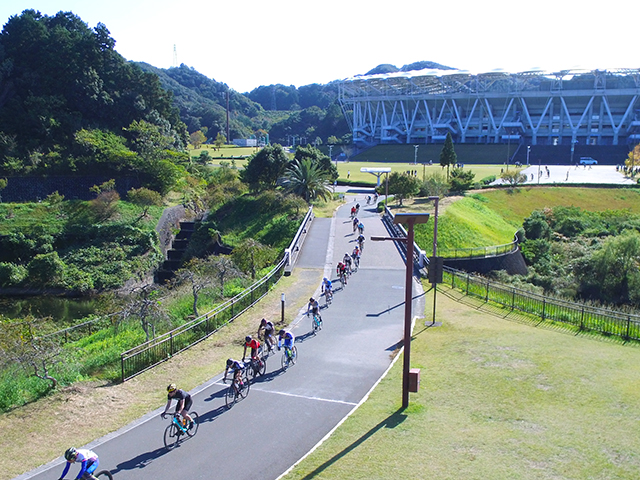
[60, 309]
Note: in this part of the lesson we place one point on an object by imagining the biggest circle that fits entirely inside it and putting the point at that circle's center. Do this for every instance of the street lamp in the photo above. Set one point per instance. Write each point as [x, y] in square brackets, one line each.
[528, 153]
[409, 219]
[415, 156]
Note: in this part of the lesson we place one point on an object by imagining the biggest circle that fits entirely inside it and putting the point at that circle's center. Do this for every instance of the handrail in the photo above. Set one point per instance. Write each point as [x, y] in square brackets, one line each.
[157, 350]
[579, 315]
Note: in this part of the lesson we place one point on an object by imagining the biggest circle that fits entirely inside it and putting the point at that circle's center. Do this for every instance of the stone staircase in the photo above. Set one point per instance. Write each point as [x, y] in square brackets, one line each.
[176, 253]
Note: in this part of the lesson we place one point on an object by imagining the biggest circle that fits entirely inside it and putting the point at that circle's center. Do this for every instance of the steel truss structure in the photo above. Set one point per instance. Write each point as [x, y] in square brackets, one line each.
[532, 108]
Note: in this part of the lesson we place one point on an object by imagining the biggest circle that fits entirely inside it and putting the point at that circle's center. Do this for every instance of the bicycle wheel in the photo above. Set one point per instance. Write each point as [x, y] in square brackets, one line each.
[285, 360]
[104, 474]
[294, 355]
[171, 436]
[251, 372]
[243, 392]
[196, 421]
[230, 396]
[263, 366]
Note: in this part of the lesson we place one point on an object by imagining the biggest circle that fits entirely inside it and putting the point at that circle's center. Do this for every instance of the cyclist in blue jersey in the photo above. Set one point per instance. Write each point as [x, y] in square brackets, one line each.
[286, 339]
[327, 288]
[88, 460]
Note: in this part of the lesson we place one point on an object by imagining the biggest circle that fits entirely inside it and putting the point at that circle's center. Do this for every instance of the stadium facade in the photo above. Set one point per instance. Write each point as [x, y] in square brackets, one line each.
[571, 107]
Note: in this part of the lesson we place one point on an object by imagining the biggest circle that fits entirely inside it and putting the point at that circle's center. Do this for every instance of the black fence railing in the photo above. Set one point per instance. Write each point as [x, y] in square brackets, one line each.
[584, 317]
[163, 347]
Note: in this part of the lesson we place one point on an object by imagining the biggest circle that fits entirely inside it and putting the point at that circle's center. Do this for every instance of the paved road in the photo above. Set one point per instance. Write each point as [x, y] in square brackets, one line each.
[565, 174]
[286, 413]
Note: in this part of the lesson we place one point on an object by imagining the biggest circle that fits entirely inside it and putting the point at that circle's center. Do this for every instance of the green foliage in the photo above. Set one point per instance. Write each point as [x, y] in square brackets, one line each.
[435, 184]
[12, 275]
[513, 177]
[307, 180]
[448, 155]
[66, 78]
[46, 269]
[403, 186]
[265, 168]
[461, 179]
[145, 198]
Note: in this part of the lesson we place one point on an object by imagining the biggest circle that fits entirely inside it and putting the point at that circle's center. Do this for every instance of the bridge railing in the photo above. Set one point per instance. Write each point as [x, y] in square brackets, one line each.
[584, 317]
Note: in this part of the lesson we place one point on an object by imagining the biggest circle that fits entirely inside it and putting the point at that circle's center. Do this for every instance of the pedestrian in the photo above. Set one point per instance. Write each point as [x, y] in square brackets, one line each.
[348, 173]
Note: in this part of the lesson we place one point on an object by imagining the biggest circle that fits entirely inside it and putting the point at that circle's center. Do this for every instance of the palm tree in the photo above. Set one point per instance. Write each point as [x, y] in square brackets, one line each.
[307, 179]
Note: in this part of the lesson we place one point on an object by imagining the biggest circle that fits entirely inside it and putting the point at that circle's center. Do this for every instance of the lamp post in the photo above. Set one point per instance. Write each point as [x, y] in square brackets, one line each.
[415, 156]
[528, 153]
[436, 199]
[409, 219]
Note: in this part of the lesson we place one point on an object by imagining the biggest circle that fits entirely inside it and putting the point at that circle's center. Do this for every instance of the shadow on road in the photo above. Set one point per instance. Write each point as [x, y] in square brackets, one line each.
[390, 422]
[141, 460]
[393, 307]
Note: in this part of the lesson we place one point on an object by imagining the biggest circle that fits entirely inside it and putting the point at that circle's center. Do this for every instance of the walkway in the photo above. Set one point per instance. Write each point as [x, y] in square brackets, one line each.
[286, 413]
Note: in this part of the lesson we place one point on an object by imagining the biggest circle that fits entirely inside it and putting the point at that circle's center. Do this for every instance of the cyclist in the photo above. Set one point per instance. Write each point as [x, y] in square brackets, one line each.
[361, 228]
[313, 307]
[355, 223]
[357, 208]
[184, 403]
[361, 242]
[286, 340]
[353, 212]
[252, 343]
[236, 368]
[88, 459]
[341, 270]
[347, 262]
[327, 288]
[356, 256]
[268, 329]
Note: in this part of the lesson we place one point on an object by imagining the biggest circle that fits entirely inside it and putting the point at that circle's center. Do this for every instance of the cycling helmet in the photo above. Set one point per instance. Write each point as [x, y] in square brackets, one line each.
[172, 388]
[229, 362]
[248, 338]
[263, 321]
[282, 332]
[71, 454]
[311, 300]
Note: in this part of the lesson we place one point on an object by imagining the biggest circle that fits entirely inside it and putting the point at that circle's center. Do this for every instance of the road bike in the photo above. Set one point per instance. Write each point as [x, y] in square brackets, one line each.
[316, 323]
[268, 341]
[356, 263]
[178, 428]
[289, 357]
[328, 297]
[255, 366]
[237, 391]
[343, 279]
[101, 474]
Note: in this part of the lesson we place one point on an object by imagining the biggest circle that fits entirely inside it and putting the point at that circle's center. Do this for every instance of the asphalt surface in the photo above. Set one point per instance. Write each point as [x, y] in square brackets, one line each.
[286, 412]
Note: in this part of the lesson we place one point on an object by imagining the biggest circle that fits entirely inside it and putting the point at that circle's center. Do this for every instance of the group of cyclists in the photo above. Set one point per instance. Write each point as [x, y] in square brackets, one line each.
[266, 330]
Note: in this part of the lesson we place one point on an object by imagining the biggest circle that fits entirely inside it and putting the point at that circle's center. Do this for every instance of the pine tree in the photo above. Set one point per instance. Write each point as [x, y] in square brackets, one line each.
[448, 154]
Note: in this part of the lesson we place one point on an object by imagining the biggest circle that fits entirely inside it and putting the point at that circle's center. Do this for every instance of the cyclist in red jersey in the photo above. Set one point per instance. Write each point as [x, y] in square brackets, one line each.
[252, 343]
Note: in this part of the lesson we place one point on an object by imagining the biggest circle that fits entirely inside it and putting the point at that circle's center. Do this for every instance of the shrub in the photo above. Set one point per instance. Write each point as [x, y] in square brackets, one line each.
[11, 274]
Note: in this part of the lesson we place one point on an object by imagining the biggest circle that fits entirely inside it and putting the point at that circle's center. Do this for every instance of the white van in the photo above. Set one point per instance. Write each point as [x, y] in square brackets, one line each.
[588, 161]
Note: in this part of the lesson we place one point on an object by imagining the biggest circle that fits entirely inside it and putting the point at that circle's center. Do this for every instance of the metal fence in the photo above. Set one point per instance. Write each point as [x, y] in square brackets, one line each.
[163, 347]
[479, 252]
[584, 317]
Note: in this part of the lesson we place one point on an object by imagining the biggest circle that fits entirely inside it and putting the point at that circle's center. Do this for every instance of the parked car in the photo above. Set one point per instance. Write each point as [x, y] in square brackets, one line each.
[588, 161]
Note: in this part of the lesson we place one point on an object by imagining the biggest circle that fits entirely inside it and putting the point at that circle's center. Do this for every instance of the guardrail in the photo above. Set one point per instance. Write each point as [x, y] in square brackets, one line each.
[149, 354]
[479, 252]
[584, 317]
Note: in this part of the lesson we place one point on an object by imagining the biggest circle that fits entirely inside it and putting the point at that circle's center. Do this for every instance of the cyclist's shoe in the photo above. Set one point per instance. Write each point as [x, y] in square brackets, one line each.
[191, 424]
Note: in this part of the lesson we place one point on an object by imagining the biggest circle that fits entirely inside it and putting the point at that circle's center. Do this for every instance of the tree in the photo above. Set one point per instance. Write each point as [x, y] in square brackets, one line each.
[3, 185]
[513, 178]
[265, 167]
[46, 269]
[20, 345]
[145, 198]
[251, 256]
[224, 270]
[448, 154]
[434, 185]
[402, 186]
[105, 205]
[633, 160]
[333, 140]
[319, 159]
[461, 179]
[220, 140]
[197, 138]
[145, 304]
[305, 179]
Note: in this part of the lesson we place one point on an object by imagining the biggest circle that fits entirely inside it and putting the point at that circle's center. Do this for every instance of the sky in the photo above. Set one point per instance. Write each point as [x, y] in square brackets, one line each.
[249, 43]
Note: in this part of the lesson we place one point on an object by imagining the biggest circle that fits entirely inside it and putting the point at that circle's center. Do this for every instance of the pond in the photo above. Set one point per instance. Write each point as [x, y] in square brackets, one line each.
[60, 309]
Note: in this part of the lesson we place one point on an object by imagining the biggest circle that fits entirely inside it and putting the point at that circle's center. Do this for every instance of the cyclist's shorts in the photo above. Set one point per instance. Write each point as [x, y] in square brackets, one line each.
[91, 467]
[187, 403]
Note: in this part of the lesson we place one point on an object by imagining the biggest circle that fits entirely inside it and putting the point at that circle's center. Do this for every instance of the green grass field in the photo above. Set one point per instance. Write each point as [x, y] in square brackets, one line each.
[500, 398]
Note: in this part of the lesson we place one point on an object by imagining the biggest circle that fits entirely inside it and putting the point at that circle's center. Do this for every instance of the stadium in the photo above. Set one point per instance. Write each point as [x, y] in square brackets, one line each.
[558, 117]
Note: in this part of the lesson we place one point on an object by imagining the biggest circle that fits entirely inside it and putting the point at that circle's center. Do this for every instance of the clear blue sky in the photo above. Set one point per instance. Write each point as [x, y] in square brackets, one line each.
[250, 43]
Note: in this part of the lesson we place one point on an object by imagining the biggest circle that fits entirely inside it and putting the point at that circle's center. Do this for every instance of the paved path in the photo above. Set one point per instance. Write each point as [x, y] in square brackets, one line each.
[286, 413]
[566, 174]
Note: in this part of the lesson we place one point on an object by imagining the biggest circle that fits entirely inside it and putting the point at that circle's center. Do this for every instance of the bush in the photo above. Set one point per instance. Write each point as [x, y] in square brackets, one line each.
[46, 269]
[11, 274]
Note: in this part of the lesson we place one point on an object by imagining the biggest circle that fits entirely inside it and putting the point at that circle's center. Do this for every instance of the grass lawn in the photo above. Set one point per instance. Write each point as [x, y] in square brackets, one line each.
[500, 398]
